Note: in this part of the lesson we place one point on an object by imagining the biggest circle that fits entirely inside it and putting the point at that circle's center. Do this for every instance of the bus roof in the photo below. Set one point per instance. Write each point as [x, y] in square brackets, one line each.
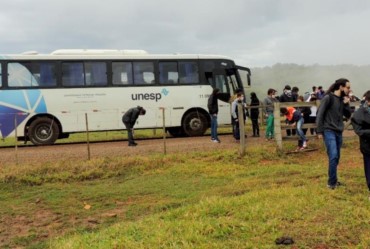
[105, 54]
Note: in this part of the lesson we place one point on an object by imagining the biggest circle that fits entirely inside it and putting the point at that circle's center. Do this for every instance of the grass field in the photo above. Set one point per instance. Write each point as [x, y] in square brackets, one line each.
[198, 200]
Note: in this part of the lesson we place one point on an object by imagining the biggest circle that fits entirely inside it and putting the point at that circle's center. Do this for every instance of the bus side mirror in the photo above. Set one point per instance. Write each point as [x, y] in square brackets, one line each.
[249, 79]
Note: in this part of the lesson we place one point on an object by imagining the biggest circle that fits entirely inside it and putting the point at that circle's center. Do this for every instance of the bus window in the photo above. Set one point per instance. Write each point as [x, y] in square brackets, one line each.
[189, 73]
[72, 74]
[144, 73]
[168, 73]
[1, 75]
[46, 73]
[96, 73]
[20, 74]
[122, 73]
[220, 83]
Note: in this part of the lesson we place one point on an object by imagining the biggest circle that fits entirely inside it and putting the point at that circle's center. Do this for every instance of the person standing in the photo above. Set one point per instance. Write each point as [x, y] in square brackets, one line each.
[255, 114]
[329, 121]
[361, 125]
[312, 117]
[268, 102]
[235, 115]
[287, 96]
[213, 112]
[320, 93]
[129, 120]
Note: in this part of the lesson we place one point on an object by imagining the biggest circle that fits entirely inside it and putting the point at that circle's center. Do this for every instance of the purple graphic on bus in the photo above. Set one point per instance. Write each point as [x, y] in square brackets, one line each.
[16, 106]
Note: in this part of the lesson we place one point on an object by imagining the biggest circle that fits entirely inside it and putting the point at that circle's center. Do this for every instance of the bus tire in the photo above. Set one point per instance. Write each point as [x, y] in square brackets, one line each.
[195, 123]
[43, 131]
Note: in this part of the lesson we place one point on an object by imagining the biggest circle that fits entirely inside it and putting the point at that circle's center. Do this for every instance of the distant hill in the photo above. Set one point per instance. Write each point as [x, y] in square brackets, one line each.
[304, 77]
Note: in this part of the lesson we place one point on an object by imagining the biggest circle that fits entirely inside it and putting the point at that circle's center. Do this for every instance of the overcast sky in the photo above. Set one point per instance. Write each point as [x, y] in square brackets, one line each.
[253, 32]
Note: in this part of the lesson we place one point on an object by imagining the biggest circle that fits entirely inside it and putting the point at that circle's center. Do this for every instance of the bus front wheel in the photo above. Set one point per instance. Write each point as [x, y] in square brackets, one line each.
[195, 123]
[43, 131]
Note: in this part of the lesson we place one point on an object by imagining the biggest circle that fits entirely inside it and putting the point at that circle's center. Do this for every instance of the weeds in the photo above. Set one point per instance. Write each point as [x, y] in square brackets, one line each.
[199, 200]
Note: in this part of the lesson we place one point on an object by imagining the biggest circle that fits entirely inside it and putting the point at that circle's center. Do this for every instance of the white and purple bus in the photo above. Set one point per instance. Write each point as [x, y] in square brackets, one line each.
[44, 97]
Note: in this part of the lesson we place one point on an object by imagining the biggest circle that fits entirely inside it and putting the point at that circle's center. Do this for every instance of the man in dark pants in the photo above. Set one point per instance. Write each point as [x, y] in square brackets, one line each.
[129, 119]
[330, 125]
[361, 125]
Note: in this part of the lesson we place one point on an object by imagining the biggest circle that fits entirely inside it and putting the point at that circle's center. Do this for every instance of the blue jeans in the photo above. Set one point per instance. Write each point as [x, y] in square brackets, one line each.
[214, 125]
[300, 132]
[333, 143]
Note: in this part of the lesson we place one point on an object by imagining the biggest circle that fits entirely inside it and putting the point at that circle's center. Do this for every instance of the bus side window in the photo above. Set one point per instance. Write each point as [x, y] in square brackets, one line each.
[96, 73]
[46, 72]
[19, 74]
[143, 73]
[168, 73]
[189, 73]
[72, 74]
[122, 73]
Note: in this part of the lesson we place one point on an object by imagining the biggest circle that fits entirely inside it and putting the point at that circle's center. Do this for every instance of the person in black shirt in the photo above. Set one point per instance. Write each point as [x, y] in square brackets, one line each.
[329, 121]
[213, 111]
[129, 120]
[255, 114]
[361, 125]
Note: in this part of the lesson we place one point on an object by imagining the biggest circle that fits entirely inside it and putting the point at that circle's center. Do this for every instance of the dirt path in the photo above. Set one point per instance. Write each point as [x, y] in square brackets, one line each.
[32, 154]
[38, 154]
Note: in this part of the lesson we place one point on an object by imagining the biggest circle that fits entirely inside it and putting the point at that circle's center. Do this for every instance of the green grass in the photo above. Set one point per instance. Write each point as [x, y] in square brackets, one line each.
[199, 200]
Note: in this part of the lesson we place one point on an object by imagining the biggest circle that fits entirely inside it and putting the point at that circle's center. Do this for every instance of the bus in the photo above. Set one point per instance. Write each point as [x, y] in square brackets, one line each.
[45, 97]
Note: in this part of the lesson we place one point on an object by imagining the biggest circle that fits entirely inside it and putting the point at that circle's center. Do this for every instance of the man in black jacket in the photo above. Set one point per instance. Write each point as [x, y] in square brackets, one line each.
[213, 111]
[329, 121]
[129, 119]
[361, 125]
[287, 96]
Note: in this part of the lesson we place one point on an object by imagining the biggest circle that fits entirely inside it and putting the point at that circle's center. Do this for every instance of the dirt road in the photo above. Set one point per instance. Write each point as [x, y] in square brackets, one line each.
[31, 154]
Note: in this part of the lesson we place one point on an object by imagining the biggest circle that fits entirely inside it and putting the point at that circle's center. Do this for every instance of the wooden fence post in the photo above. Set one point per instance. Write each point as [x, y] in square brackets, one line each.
[87, 137]
[241, 129]
[277, 126]
[16, 139]
[164, 130]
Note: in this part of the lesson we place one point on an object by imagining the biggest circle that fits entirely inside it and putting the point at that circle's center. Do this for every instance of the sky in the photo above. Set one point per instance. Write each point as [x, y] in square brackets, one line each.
[255, 33]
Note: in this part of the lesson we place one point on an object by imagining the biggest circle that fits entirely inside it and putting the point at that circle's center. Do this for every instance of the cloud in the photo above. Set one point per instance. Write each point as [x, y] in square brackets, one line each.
[253, 32]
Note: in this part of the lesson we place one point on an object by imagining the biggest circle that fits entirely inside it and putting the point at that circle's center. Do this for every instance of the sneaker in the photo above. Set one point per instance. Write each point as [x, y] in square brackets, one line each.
[304, 144]
[132, 144]
[302, 148]
[332, 187]
[216, 141]
[298, 149]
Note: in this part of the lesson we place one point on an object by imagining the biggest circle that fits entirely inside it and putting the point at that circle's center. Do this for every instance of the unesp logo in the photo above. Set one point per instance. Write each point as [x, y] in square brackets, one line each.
[165, 91]
[150, 96]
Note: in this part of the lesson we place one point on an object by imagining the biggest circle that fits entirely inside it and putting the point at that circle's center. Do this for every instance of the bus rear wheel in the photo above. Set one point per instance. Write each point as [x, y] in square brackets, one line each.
[43, 131]
[195, 124]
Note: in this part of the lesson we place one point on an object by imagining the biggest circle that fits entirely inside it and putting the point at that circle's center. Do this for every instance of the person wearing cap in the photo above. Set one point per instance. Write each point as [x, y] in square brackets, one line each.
[129, 120]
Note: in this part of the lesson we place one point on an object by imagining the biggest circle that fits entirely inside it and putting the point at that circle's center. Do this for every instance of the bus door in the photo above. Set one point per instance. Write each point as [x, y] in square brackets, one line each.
[220, 81]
